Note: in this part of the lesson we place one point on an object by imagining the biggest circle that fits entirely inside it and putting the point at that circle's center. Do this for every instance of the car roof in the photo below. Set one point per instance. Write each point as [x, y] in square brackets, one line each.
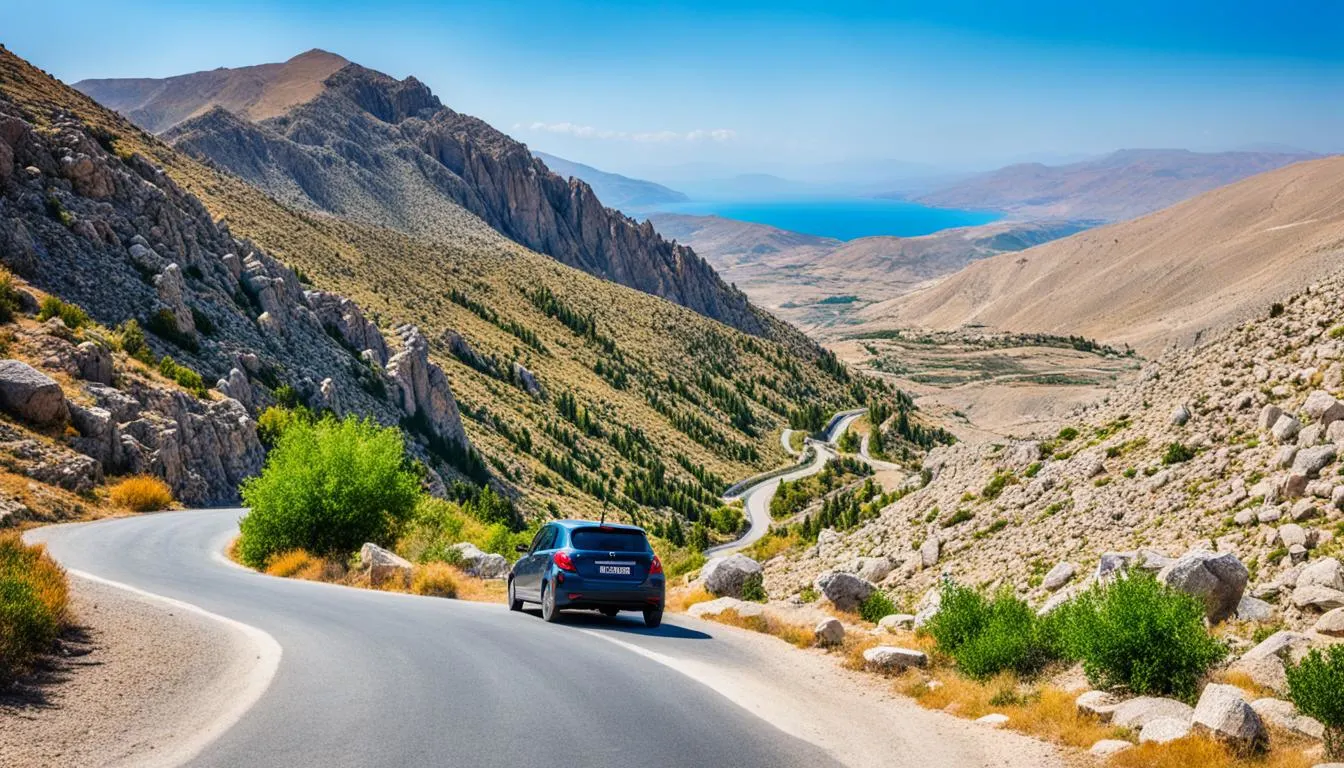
[572, 524]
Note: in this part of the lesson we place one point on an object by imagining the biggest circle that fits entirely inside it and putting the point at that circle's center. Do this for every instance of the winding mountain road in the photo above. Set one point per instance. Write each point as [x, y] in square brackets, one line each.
[351, 677]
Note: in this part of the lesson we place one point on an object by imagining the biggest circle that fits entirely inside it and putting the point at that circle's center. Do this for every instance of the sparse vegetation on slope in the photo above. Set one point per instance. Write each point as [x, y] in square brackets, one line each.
[34, 600]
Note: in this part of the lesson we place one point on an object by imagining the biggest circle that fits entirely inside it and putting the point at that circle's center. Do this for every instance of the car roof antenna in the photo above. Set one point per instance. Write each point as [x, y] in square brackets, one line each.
[603, 521]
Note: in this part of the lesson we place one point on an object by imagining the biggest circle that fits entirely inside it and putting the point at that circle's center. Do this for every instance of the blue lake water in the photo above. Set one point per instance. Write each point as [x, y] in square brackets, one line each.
[841, 218]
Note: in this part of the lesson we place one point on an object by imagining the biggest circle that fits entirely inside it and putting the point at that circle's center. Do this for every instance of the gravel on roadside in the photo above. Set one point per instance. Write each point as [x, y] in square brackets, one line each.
[133, 679]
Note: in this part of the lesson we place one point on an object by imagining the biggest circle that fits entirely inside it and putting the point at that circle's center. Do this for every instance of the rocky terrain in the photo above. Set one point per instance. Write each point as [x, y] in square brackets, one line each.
[386, 152]
[1118, 186]
[1231, 447]
[115, 237]
[1171, 276]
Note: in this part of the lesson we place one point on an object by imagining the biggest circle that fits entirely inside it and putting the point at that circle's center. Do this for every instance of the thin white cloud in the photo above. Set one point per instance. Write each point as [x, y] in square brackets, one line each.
[589, 132]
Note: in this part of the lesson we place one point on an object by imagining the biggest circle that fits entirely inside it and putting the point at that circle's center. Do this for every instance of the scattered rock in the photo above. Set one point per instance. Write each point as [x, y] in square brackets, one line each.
[724, 604]
[844, 590]
[993, 719]
[1223, 713]
[1180, 416]
[829, 632]
[725, 576]
[1331, 624]
[1161, 730]
[1265, 663]
[1282, 714]
[1285, 429]
[1059, 576]
[30, 395]
[888, 657]
[384, 566]
[1254, 609]
[1138, 712]
[897, 621]
[1100, 704]
[1108, 747]
[482, 565]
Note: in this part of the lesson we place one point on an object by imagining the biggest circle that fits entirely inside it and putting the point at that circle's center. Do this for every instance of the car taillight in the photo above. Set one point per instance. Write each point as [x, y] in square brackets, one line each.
[563, 561]
[657, 566]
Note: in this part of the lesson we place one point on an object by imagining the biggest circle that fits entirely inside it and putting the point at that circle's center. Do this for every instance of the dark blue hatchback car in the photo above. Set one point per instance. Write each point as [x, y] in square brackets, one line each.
[585, 564]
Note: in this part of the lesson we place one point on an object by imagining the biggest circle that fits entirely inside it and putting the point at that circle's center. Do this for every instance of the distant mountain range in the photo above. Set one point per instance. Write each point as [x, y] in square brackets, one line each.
[1118, 186]
[613, 189]
[1167, 277]
[321, 133]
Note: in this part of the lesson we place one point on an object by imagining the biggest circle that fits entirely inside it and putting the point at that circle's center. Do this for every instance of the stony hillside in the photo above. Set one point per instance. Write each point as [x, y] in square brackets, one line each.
[1119, 186]
[575, 390]
[1169, 276]
[259, 92]
[1232, 447]
[614, 190]
[387, 152]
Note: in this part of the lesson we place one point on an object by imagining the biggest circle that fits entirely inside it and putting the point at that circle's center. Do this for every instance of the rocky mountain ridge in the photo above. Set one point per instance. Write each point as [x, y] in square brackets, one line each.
[387, 152]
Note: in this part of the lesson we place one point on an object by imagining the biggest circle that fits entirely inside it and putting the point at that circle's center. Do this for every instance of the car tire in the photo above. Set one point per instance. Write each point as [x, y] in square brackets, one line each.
[514, 603]
[610, 613]
[549, 612]
[653, 617]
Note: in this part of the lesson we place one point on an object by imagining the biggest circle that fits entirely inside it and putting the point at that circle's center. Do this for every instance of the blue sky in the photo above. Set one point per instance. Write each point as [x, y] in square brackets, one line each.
[799, 89]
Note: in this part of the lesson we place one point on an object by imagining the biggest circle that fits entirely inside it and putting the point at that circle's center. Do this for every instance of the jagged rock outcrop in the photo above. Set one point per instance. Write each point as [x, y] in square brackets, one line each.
[388, 152]
[116, 236]
[422, 389]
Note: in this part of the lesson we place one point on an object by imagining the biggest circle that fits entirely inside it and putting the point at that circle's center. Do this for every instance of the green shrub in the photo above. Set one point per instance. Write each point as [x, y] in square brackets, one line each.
[1067, 433]
[1138, 633]
[1177, 453]
[131, 339]
[34, 599]
[986, 637]
[996, 484]
[274, 420]
[727, 519]
[876, 605]
[1316, 687]
[753, 588]
[9, 297]
[184, 376]
[164, 325]
[328, 487]
[73, 316]
[848, 442]
[958, 516]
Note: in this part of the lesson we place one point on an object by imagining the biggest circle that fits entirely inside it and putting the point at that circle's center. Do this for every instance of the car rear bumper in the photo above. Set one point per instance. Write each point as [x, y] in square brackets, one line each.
[577, 592]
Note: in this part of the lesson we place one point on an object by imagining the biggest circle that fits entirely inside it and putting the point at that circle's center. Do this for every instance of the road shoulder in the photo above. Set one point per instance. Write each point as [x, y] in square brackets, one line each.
[140, 682]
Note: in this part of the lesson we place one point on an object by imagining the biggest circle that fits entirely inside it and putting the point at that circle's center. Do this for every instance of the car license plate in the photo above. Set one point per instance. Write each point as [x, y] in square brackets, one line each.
[614, 570]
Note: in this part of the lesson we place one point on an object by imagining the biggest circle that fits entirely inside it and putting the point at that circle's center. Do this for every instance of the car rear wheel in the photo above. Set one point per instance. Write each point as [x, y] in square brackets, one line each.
[609, 612]
[548, 610]
[653, 617]
[514, 603]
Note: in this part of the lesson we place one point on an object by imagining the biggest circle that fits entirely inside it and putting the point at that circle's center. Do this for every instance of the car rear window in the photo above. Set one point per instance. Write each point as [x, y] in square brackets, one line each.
[610, 540]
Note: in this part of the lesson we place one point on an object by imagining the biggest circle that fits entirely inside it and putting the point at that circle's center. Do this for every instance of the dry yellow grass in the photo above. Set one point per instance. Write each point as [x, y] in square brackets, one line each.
[769, 546]
[298, 564]
[34, 603]
[1243, 681]
[768, 625]
[1202, 752]
[682, 599]
[435, 580]
[141, 493]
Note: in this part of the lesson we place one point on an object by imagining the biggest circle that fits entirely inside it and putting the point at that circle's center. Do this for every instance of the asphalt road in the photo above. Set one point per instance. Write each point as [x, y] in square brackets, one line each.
[378, 679]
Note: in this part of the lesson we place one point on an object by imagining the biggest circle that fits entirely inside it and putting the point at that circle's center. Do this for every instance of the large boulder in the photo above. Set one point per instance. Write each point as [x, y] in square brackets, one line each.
[1224, 714]
[482, 565]
[383, 566]
[1326, 572]
[1216, 578]
[1310, 461]
[1323, 408]
[1282, 714]
[1331, 624]
[1099, 704]
[844, 590]
[712, 608]
[94, 362]
[725, 576]
[30, 395]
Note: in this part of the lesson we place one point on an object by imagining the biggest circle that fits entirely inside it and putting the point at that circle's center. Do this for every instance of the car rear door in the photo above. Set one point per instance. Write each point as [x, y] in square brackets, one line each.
[527, 579]
[620, 556]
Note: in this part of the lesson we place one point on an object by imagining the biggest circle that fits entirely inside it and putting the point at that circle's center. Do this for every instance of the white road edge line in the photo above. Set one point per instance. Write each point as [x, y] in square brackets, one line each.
[254, 685]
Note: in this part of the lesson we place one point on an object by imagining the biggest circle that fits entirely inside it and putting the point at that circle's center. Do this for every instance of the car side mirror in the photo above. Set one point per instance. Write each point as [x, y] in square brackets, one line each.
[520, 548]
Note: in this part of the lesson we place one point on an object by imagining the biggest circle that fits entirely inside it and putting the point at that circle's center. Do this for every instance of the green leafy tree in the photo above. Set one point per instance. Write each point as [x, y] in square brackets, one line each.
[1316, 686]
[328, 487]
